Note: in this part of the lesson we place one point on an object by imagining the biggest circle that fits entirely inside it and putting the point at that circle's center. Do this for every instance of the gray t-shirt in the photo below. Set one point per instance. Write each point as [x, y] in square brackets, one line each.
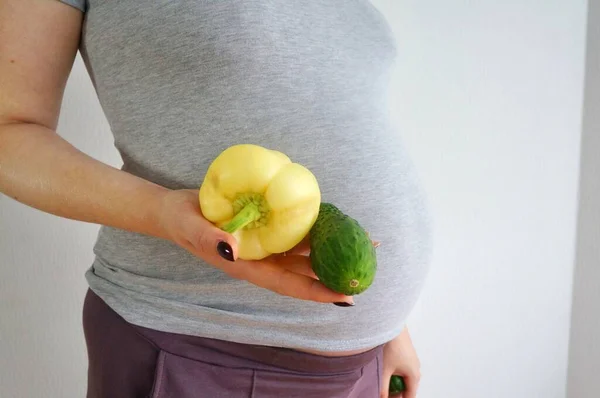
[180, 81]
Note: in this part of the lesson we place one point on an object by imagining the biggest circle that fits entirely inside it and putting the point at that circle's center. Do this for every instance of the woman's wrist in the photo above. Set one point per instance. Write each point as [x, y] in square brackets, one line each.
[40, 169]
[150, 211]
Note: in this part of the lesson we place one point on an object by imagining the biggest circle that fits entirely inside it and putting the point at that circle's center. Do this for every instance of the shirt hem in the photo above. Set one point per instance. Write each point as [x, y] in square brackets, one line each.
[120, 300]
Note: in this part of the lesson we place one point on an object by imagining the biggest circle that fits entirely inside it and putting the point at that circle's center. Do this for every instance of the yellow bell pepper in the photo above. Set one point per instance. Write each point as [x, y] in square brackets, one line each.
[267, 202]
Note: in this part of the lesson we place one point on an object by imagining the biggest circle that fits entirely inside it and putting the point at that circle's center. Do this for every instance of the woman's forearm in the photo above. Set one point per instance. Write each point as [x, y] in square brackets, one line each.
[42, 170]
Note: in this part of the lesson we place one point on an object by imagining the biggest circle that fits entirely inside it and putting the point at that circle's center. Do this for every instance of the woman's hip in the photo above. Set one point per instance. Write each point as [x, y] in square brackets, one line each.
[131, 361]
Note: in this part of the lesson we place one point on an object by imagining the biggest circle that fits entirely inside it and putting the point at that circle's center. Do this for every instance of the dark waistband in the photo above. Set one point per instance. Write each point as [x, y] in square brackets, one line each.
[233, 354]
[240, 355]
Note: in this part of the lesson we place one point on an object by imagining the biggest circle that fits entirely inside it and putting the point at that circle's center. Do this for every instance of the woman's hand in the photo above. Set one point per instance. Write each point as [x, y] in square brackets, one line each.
[41, 169]
[181, 221]
[400, 358]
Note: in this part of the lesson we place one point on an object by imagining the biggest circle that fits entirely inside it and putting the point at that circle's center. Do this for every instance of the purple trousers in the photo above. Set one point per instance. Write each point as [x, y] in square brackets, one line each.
[128, 361]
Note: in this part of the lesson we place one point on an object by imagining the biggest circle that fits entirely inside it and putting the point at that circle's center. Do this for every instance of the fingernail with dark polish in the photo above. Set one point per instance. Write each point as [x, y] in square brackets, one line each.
[225, 251]
[344, 304]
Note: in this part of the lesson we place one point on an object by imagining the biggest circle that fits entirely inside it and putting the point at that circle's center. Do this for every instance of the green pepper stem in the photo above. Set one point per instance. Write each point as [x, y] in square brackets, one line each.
[247, 215]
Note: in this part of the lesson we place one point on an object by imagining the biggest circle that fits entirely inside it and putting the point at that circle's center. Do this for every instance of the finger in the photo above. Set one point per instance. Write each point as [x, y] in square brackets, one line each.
[411, 387]
[285, 282]
[385, 383]
[298, 264]
[302, 248]
[208, 240]
[375, 243]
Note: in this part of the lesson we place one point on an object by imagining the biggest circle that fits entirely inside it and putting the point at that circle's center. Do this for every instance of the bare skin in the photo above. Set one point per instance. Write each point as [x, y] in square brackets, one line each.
[400, 358]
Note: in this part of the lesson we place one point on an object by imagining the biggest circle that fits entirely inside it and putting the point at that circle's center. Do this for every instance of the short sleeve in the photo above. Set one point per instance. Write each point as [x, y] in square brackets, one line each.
[79, 4]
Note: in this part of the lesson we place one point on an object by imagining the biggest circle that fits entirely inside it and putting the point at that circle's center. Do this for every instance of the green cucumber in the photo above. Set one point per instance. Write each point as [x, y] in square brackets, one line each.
[396, 385]
[342, 254]
[344, 259]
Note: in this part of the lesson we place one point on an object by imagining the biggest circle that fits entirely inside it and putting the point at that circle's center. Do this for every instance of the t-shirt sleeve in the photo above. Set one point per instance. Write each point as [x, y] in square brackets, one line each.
[80, 4]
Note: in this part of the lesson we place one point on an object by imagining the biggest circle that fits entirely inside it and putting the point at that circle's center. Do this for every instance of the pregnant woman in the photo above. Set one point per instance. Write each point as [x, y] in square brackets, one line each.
[172, 311]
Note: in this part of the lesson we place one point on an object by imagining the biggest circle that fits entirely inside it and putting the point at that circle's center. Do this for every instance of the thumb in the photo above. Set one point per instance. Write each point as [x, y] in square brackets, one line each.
[385, 384]
[209, 240]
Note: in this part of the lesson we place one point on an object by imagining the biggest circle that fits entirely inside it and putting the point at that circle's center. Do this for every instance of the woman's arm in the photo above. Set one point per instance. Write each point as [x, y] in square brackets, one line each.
[38, 43]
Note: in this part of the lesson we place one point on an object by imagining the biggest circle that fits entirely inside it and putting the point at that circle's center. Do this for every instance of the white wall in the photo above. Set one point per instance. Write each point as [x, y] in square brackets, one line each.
[584, 359]
[488, 95]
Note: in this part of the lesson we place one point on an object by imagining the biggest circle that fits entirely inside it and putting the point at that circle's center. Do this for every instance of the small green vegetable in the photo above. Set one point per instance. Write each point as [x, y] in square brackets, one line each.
[342, 254]
[396, 385]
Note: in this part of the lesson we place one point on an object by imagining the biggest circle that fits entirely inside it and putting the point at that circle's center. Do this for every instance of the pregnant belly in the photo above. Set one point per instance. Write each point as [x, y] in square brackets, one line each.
[336, 353]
